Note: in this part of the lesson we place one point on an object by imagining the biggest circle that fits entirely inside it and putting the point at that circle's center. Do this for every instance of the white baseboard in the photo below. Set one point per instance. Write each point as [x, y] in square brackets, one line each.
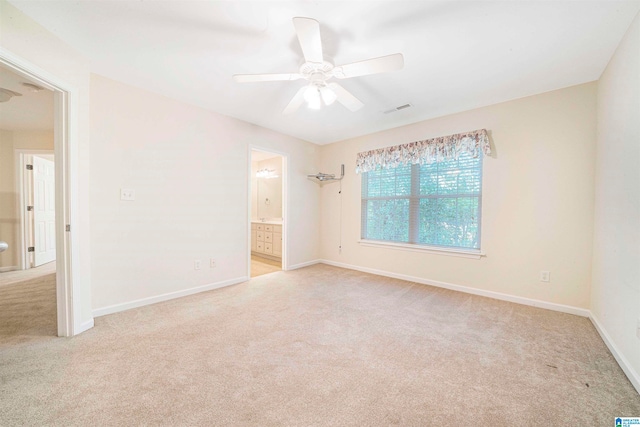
[7, 269]
[304, 264]
[481, 292]
[633, 376]
[84, 326]
[165, 297]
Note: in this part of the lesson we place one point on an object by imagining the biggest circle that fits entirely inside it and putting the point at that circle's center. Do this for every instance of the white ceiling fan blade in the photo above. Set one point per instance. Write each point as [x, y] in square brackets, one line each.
[250, 78]
[308, 31]
[370, 66]
[7, 94]
[345, 97]
[295, 102]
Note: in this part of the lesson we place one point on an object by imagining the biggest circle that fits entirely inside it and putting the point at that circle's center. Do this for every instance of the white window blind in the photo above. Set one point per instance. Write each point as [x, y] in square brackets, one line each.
[435, 204]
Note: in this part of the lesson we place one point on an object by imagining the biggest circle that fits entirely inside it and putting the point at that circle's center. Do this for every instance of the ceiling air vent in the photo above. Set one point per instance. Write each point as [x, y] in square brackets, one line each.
[402, 107]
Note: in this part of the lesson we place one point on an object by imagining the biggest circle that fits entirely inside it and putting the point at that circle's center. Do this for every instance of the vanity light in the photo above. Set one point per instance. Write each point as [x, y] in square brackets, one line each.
[266, 173]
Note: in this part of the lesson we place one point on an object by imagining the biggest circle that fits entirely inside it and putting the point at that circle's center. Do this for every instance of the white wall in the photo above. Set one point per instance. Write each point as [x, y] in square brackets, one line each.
[23, 37]
[615, 295]
[190, 170]
[10, 141]
[537, 206]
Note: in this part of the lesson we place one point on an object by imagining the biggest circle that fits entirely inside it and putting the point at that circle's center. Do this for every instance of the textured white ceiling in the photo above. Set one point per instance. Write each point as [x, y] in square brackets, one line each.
[458, 54]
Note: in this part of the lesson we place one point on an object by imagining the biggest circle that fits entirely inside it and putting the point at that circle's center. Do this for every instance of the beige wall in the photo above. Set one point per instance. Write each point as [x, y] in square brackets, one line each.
[190, 169]
[23, 37]
[615, 296]
[10, 141]
[9, 223]
[537, 206]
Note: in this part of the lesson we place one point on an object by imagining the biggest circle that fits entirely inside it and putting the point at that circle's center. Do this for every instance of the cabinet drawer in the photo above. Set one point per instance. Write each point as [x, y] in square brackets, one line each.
[268, 228]
[260, 236]
[260, 246]
[260, 227]
[267, 248]
[268, 237]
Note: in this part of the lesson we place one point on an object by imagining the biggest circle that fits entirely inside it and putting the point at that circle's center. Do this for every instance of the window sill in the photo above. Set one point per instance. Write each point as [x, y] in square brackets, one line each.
[471, 253]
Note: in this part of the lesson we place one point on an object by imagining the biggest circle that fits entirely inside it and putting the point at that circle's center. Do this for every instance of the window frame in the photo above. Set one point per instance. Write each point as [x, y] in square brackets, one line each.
[414, 201]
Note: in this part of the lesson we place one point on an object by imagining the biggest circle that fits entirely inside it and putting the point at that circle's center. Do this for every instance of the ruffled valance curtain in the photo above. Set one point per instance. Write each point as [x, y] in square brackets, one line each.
[425, 152]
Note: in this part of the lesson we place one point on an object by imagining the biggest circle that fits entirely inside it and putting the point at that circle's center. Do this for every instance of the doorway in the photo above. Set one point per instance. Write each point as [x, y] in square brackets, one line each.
[63, 108]
[266, 212]
[28, 283]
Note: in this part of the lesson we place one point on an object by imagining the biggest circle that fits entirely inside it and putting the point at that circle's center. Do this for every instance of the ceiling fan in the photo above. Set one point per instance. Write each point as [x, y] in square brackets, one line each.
[6, 94]
[318, 72]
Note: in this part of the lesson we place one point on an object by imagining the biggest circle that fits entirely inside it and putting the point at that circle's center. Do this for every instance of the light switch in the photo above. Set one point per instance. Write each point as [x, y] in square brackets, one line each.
[127, 194]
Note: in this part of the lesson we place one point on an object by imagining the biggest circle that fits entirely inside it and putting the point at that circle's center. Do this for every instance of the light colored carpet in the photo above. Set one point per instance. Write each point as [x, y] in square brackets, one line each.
[260, 266]
[10, 277]
[315, 347]
[27, 312]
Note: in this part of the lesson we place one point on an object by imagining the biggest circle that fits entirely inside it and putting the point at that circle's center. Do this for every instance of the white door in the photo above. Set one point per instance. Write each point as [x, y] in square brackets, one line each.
[44, 211]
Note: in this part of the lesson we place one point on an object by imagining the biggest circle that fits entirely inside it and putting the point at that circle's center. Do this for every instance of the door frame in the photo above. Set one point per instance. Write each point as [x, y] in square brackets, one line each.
[285, 204]
[66, 109]
[22, 190]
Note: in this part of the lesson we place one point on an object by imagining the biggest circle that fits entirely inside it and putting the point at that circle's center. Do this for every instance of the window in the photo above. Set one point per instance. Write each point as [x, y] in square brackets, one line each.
[435, 204]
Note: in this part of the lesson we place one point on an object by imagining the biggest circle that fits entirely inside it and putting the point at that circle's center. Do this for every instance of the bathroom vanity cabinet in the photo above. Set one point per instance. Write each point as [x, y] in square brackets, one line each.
[266, 239]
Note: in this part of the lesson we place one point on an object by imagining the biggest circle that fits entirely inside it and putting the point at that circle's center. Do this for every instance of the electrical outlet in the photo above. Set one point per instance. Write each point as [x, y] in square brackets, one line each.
[197, 264]
[545, 276]
[212, 263]
[127, 194]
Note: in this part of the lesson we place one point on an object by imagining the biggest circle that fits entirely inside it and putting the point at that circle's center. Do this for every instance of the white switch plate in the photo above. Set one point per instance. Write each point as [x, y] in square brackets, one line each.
[127, 194]
[197, 264]
[545, 276]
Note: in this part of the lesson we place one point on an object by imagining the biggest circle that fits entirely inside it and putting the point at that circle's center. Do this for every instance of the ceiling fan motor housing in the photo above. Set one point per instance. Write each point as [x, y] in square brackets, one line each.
[317, 73]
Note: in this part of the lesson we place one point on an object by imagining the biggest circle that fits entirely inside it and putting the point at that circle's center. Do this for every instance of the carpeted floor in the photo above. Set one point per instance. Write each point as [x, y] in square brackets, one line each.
[27, 312]
[10, 277]
[319, 346]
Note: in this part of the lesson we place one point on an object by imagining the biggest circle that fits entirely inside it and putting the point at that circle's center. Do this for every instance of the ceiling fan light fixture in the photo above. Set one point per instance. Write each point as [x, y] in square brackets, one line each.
[328, 96]
[312, 96]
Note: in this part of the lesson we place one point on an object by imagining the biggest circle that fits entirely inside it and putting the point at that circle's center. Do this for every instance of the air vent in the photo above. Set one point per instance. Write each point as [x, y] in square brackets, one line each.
[402, 107]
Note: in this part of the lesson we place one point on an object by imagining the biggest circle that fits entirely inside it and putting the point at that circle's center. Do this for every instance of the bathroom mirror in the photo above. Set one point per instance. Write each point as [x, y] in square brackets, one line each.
[267, 189]
[270, 198]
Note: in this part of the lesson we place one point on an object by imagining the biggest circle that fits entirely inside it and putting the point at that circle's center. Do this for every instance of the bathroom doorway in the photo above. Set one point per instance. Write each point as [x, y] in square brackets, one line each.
[267, 207]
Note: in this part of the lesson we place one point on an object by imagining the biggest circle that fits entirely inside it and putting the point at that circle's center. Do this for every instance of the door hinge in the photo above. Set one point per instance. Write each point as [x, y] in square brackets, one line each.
[29, 208]
[67, 227]
[31, 249]
[29, 167]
